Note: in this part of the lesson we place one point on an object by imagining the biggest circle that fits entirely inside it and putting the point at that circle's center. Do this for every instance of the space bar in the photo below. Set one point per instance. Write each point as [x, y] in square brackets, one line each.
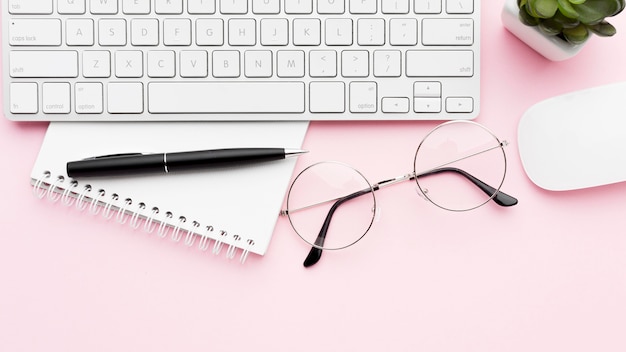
[225, 97]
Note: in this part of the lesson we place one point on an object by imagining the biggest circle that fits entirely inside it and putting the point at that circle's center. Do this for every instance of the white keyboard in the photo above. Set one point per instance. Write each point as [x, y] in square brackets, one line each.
[149, 60]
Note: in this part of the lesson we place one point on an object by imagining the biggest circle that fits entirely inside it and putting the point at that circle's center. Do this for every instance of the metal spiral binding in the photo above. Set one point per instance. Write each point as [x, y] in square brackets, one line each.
[80, 200]
[190, 236]
[51, 192]
[162, 231]
[107, 208]
[66, 198]
[121, 211]
[149, 224]
[204, 239]
[72, 193]
[217, 246]
[176, 236]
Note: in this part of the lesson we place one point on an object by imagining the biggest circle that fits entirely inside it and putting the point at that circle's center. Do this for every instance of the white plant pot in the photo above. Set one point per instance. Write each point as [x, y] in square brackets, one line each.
[550, 47]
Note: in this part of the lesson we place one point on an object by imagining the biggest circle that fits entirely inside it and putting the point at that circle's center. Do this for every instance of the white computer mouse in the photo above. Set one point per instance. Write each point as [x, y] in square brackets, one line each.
[576, 140]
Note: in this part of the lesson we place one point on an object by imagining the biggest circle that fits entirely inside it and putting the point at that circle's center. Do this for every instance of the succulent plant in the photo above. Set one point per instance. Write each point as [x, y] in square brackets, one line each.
[571, 20]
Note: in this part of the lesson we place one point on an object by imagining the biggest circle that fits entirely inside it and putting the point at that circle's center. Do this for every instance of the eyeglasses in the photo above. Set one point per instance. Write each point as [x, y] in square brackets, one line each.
[458, 166]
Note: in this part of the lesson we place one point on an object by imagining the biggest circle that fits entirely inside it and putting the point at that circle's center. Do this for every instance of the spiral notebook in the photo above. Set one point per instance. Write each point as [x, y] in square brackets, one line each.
[230, 209]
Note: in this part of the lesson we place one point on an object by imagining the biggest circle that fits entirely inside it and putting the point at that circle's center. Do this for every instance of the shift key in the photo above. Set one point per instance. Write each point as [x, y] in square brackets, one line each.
[32, 63]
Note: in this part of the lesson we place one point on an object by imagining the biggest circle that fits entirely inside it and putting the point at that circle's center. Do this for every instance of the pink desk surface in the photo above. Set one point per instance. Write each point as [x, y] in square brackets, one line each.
[546, 275]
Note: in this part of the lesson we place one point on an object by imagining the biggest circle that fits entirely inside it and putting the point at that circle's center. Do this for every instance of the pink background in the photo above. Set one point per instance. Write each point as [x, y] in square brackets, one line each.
[546, 275]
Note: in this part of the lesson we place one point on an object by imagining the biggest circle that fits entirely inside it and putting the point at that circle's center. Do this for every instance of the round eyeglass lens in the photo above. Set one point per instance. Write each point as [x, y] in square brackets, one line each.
[460, 165]
[331, 205]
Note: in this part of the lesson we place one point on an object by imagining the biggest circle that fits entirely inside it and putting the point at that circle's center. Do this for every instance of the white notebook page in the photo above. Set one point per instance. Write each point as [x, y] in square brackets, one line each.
[244, 202]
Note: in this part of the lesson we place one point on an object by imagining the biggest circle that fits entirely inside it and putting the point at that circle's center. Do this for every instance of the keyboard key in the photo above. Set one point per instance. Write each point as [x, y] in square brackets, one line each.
[363, 6]
[427, 105]
[112, 32]
[403, 31]
[439, 63]
[23, 98]
[427, 89]
[363, 97]
[371, 31]
[226, 64]
[448, 31]
[395, 6]
[43, 64]
[459, 104]
[323, 63]
[171, 7]
[298, 6]
[210, 31]
[387, 63]
[96, 64]
[135, 7]
[427, 6]
[234, 7]
[330, 6]
[193, 63]
[144, 31]
[460, 6]
[327, 97]
[306, 31]
[258, 63]
[125, 98]
[56, 98]
[177, 32]
[88, 96]
[103, 7]
[201, 7]
[274, 31]
[355, 63]
[161, 63]
[30, 6]
[226, 97]
[395, 105]
[79, 31]
[290, 63]
[129, 63]
[338, 31]
[35, 32]
[242, 31]
[269, 7]
[71, 7]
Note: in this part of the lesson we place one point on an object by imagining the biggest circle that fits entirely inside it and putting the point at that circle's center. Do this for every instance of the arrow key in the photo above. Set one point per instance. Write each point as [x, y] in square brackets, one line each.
[427, 89]
[424, 105]
[459, 104]
[395, 105]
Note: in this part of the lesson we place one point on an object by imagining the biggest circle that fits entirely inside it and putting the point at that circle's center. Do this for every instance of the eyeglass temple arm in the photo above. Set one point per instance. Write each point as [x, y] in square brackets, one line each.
[315, 253]
[499, 198]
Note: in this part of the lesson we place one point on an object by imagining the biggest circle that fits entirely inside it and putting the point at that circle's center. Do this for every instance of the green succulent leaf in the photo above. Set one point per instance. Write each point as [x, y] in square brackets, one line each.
[577, 2]
[543, 8]
[566, 8]
[594, 11]
[551, 27]
[603, 29]
[566, 22]
[577, 35]
[526, 18]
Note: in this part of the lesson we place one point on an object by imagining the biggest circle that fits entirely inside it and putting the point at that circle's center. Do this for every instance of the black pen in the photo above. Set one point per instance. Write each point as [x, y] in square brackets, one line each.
[137, 163]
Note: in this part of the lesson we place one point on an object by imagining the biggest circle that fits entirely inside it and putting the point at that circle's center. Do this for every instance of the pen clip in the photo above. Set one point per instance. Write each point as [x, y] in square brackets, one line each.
[109, 156]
